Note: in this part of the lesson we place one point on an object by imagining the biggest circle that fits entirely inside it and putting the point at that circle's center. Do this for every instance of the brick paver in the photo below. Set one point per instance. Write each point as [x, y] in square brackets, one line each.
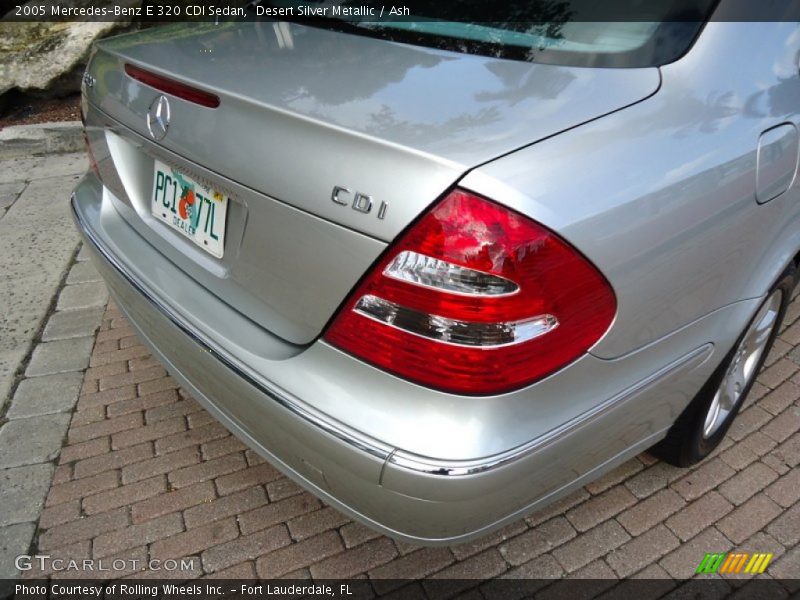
[147, 472]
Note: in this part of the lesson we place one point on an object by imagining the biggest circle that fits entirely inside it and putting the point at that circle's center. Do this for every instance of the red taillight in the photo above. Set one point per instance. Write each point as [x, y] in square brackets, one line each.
[92, 161]
[172, 87]
[475, 299]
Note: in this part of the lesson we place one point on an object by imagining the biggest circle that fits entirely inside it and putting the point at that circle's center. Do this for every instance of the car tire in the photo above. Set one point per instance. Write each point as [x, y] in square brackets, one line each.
[705, 421]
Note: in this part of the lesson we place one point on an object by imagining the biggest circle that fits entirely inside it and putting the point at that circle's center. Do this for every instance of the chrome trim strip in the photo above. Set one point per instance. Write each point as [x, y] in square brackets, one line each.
[398, 261]
[380, 310]
[349, 437]
[429, 466]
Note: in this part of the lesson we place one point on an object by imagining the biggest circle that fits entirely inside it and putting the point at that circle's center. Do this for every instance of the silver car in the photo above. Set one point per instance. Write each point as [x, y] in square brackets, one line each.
[443, 273]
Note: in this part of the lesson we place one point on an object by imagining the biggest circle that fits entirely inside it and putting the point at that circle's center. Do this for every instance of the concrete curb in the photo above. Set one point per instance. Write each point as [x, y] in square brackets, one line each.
[41, 138]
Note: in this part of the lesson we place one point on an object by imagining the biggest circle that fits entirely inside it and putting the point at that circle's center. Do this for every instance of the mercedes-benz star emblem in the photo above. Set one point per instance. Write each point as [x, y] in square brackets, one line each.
[158, 118]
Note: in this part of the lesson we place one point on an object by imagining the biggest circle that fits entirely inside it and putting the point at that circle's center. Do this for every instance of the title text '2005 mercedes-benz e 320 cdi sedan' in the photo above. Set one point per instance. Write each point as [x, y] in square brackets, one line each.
[443, 273]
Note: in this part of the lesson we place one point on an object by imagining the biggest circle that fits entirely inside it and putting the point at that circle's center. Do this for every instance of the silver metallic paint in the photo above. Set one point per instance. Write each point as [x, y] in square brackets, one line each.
[776, 161]
[660, 195]
[349, 469]
[282, 295]
[401, 130]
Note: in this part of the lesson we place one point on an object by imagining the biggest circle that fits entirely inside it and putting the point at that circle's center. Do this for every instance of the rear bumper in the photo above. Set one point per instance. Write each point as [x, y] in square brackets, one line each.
[406, 495]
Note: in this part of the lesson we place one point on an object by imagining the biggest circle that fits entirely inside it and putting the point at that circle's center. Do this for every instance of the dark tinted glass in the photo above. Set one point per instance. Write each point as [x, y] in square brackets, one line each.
[566, 32]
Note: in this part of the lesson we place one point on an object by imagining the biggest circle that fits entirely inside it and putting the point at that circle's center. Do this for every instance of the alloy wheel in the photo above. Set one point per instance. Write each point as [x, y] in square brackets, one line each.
[743, 367]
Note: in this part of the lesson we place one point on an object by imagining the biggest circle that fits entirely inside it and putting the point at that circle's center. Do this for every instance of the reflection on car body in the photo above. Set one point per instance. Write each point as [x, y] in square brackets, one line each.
[465, 268]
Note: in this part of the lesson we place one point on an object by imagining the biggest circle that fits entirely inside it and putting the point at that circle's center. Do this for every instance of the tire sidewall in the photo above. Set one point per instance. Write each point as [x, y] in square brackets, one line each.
[700, 447]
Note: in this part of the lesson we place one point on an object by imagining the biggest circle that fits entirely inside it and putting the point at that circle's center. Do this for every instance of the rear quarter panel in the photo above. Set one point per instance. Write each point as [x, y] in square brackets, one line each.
[661, 195]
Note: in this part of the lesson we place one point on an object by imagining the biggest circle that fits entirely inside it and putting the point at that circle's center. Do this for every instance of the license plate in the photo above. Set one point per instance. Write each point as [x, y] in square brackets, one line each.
[190, 207]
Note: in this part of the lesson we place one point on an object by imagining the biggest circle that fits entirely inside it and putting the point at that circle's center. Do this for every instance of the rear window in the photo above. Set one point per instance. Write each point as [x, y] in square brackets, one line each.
[559, 32]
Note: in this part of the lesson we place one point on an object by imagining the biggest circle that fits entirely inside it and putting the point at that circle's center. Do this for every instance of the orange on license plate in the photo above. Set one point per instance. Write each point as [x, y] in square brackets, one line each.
[192, 208]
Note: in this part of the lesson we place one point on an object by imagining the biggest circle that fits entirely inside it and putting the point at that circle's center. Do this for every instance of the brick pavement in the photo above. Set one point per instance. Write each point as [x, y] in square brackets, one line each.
[146, 472]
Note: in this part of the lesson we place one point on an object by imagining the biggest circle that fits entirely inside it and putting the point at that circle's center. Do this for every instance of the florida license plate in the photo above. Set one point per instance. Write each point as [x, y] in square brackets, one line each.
[190, 207]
